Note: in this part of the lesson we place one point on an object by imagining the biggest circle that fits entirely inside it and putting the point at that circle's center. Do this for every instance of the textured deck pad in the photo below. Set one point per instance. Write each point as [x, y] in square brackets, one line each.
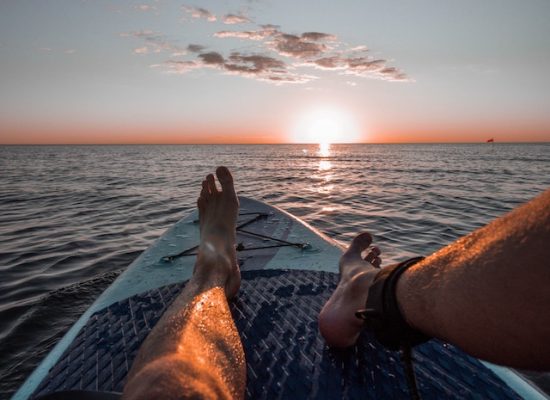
[276, 314]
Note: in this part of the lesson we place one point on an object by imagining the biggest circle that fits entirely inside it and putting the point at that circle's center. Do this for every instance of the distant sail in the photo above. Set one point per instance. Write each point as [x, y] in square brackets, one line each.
[490, 140]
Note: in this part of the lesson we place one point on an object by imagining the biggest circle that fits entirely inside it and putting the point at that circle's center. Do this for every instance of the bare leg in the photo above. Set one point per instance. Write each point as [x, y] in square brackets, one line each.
[195, 351]
[486, 293]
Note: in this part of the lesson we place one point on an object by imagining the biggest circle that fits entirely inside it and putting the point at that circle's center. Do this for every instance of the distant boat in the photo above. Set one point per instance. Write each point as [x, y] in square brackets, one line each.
[490, 140]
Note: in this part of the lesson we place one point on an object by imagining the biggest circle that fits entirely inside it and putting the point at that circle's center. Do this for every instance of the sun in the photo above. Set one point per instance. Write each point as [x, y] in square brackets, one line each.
[325, 125]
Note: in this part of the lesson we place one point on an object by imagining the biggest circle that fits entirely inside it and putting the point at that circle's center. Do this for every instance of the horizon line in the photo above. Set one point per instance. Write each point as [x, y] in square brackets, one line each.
[257, 144]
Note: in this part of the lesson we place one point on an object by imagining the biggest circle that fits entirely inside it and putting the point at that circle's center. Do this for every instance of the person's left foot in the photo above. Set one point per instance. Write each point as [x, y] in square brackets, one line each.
[337, 321]
[218, 211]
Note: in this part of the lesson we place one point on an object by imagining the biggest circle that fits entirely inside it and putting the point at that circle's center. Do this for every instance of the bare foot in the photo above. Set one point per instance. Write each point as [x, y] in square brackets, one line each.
[337, 321]
[218, 211]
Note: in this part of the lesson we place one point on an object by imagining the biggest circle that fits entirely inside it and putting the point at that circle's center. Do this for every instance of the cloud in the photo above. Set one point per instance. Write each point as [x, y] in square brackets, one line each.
[69, 51]
[277, 57]
[141, 50]
[261, 34]
[296, 46]
[306, 45]
[374, 68]
[394, 75]
[199, 13]
[317, 36]
[359, 66]
[250, 35]
[262, 67]
[145, 7]
[155, 42]
[177, 67]
[332, 62]
[195, 48]
[254, 66]
[232, 19]
[212, 58]
[270, 27]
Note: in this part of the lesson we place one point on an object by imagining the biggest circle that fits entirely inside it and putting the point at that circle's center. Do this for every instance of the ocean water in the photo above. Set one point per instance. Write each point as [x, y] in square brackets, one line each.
[73, 217]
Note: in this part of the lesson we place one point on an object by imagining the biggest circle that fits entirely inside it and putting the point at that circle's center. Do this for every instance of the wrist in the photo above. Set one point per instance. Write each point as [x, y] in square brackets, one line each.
[382, 313]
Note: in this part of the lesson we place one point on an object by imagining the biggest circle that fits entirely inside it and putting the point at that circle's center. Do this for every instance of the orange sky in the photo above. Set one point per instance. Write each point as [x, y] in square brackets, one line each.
[207, 135]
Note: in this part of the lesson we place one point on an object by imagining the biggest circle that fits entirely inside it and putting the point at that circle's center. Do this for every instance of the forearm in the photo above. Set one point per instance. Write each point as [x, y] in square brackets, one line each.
[489, 292]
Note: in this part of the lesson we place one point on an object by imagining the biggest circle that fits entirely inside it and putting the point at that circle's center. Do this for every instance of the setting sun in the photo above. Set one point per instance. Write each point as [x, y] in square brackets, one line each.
[325, 125]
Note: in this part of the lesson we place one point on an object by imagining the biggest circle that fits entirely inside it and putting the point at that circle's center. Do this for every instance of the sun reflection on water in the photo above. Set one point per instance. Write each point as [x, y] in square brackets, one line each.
[324, 149]
[325, 166]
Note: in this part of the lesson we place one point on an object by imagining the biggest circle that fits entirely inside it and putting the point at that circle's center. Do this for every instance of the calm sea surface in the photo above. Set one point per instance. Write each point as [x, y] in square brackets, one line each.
[73, 217]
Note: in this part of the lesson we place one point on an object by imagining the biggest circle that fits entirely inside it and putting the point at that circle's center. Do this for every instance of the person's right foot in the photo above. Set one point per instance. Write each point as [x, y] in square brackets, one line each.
[218, 211]
[337, 321]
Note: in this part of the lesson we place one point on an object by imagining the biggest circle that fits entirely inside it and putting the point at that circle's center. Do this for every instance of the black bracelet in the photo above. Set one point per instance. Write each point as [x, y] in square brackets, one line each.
[382, 314]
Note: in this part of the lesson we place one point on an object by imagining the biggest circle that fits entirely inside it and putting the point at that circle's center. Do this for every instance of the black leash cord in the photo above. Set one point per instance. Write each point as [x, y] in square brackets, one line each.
[406, 357]
[240, 247]
[271, 238]
[257, 217]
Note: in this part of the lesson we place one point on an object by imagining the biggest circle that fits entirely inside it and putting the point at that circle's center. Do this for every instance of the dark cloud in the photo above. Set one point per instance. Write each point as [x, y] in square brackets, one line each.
[393, 74]
[306, 45]
[232, 19]
[212, 58]
[317, 36]
[333, 62]
[364, 67]
[199, 13]
[195, 48]
[358, 66]
[270, 27]
[296, 46]
[254, 63]
[255, 66]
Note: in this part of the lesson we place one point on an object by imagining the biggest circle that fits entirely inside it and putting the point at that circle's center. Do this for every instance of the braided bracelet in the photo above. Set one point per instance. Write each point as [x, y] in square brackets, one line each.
[382, 314]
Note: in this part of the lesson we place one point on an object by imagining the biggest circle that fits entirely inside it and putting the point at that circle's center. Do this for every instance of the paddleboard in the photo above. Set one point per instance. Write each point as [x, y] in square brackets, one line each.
[289, 270]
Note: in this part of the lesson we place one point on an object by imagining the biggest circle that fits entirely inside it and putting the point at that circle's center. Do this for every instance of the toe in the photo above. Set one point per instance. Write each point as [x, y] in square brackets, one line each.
[226, 179]
[205, 192]
[352, 256]
[375, 252]
[211, 182]
[359, 244]
[201, 203]
[352, 259]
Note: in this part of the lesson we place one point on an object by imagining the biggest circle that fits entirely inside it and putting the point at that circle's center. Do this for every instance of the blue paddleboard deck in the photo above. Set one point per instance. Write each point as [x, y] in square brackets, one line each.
[276, 314]
[285, 284]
